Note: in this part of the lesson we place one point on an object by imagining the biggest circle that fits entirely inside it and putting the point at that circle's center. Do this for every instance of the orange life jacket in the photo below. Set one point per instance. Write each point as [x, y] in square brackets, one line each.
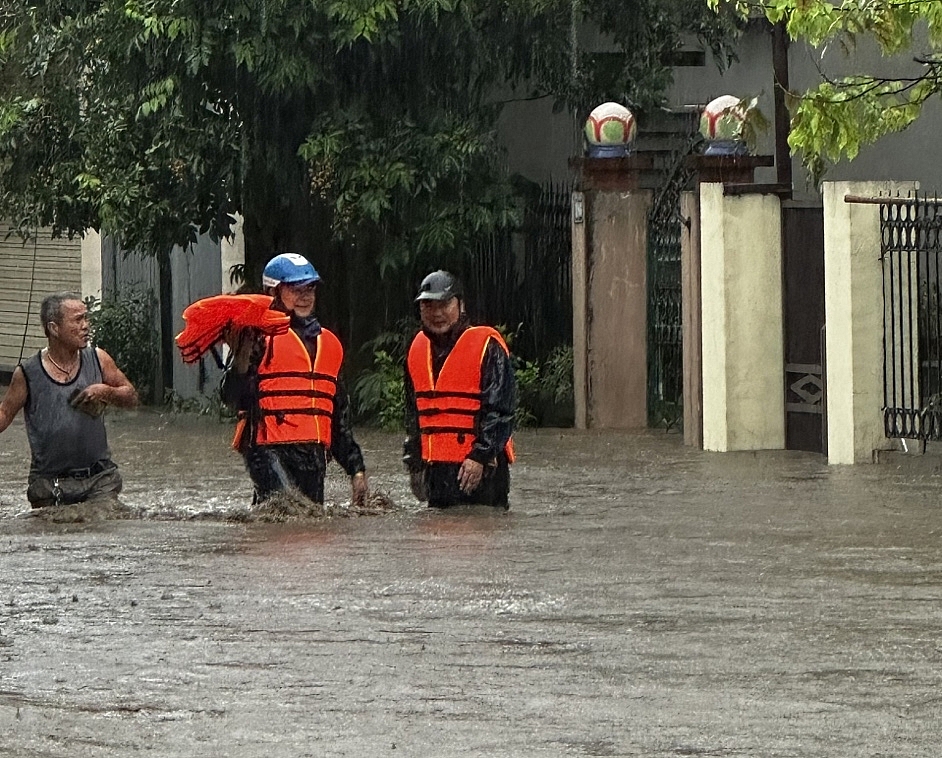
[296, 399]
[448, 408]
[208, 319]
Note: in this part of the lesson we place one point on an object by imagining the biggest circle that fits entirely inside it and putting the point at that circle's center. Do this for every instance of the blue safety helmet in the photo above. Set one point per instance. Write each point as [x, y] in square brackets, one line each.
[289, 268]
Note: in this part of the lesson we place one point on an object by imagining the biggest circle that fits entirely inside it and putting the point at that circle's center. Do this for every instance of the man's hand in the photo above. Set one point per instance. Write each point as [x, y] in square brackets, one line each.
[94, 393]
[91, 400]
[360, 488]
[470, 475]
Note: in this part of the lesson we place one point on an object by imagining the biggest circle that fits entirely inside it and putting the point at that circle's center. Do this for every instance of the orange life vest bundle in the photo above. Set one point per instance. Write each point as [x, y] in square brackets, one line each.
[295, 398]
[448, 407]
[208, 319]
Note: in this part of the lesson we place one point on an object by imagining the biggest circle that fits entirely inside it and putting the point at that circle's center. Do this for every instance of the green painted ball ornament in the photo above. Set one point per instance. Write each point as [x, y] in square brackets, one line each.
[611, 124]
[722, 118]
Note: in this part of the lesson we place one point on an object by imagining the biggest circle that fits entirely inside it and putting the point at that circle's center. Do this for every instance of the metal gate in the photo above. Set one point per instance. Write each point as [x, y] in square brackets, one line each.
[522, 278]
[803, 318]
[911, 253]
[665, 324]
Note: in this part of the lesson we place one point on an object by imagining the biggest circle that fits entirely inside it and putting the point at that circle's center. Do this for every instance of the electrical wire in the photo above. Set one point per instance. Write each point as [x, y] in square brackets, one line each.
[29, 299]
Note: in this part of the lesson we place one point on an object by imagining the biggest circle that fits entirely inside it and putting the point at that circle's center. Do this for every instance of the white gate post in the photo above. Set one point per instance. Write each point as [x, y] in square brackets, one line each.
[741, 297]
[853, 305]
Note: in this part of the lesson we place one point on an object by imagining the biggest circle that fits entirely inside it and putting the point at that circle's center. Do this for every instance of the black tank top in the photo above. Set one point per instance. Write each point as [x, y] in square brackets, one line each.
[62, 438]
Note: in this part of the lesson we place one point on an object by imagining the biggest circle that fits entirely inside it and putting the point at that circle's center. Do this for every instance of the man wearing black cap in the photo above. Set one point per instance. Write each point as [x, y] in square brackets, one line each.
[460, 401]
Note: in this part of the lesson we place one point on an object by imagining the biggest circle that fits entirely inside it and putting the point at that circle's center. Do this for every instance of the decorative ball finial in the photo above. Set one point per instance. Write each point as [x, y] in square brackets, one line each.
[609, 131]
[721, 125]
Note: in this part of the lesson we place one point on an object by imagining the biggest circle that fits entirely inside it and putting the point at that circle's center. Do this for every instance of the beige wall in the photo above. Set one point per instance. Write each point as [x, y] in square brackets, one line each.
[853, 302]
[741, 291]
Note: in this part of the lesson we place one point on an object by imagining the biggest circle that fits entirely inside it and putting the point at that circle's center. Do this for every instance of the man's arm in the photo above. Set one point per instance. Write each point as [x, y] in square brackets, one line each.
[496, 417]
[498, 404]
[114, 389]
[14, 399]
[412, 446]
[239, 386]
[343, 447]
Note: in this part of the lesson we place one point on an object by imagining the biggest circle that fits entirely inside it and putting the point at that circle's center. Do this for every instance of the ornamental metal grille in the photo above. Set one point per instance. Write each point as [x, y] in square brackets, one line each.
[911, 253]
[665, 324]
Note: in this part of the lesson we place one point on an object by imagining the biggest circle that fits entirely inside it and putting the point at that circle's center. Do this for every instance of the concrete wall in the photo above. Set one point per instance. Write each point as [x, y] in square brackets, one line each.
[741, 293]
[91, 264]
[853, 283]
[910, 154]
[197, 272]
[610, 310]
[538, 141]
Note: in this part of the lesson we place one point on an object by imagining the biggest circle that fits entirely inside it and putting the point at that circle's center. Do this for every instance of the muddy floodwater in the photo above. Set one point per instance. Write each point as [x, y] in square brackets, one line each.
[640, 598]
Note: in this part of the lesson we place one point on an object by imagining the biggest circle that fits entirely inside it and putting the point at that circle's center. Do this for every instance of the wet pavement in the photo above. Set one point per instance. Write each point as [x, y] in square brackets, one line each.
[640, 598]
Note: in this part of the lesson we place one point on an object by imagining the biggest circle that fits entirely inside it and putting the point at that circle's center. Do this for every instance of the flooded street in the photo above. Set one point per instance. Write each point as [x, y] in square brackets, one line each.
[640, 598]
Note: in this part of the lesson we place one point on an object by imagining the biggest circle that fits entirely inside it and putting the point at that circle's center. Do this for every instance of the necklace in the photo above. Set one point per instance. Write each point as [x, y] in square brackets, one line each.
[67, 372]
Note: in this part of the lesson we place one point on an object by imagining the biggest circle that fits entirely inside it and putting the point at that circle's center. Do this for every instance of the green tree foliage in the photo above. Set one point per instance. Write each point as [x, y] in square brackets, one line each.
[328, 124]
[835, 119]
[125, 327]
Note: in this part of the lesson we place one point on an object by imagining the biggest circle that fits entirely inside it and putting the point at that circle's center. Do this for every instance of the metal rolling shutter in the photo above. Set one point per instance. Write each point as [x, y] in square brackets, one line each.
[29, 272]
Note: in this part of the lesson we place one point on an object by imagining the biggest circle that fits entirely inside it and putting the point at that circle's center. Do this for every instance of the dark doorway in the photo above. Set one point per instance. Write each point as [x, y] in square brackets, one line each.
[803, 278]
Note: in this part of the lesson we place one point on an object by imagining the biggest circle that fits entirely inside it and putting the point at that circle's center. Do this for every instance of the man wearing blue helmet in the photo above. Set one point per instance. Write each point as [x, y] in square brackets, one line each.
[291, 407]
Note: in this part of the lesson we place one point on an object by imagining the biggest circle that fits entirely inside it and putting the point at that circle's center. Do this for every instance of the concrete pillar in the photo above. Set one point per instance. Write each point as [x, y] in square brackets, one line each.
[854, 303]
[610, 300]
[91, 264]
[616, 305]
[741, 291]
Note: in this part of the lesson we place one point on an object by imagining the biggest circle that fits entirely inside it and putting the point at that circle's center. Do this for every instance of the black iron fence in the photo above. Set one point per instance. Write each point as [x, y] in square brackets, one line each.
[911, 251]
[522, 278]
